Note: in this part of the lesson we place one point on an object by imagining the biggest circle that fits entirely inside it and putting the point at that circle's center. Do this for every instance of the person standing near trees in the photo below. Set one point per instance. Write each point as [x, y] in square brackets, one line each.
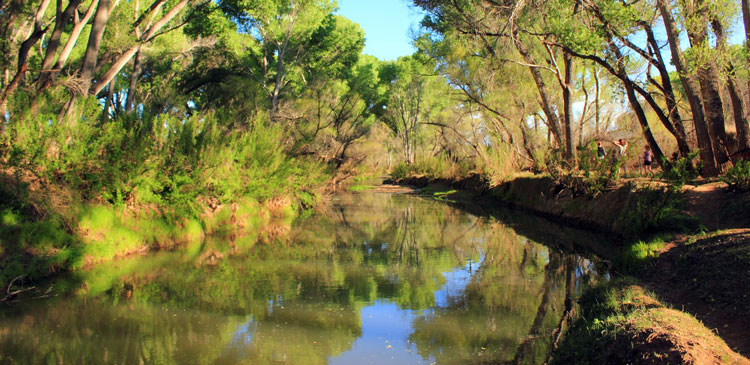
[622, 148]
[648, 158]
[600, 152]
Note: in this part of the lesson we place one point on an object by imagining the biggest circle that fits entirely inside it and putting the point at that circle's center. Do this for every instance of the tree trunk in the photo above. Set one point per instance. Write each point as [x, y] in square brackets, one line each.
[597, 116]
[735, 96]
[708, 77]
[109, 100]
[746, 21]
[62, 59]
[677, 128]
[584, 111]
[23, 55]
[690, 86]
[567, 113]
[128, 55]
[61, 21]
[637, 108]
[134, 77]
[95, 38]
[35, 36]
[553, 122]
[740, 118]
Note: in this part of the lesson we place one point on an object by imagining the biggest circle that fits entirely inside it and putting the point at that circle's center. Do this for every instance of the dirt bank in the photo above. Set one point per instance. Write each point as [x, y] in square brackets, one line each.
[631, 209]
[702, 270]
[707, 276]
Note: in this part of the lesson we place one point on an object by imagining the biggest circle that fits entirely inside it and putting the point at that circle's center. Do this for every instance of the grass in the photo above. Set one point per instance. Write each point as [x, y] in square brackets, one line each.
[633, 257]
[38, 249]
[360, 188]
[622, 323]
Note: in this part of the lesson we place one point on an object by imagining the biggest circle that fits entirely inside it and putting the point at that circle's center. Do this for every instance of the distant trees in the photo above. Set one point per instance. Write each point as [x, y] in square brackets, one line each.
[549, 38]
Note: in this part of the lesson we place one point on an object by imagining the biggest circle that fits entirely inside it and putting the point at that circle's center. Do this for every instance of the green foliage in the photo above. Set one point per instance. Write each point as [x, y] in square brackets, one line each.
[636, 255]
[680, 171]
[437, 167]
[738, 176]
[499, 164]
[599, 174]
[167, 170]
[400, 171]
[169, 162]
[657, 210]
[52, 246]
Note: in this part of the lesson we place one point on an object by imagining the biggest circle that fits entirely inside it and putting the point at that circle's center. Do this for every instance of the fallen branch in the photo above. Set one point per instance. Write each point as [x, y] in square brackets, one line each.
[10, 294]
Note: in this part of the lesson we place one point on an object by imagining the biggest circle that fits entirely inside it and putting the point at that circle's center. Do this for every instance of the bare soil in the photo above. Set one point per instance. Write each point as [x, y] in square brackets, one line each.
[710, 279]
[708, 276]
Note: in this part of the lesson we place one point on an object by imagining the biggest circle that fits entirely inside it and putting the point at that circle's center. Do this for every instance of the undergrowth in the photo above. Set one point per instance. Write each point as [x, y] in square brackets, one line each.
[636, 255]
[68, 187]
[738, 176]
[438, 167]
[657, 209]
[681, 171]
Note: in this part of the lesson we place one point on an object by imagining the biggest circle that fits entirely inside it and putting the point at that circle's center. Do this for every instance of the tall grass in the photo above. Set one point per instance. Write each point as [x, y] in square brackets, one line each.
[434, 167]
[167, 161]
[499, 163]
[95, 190]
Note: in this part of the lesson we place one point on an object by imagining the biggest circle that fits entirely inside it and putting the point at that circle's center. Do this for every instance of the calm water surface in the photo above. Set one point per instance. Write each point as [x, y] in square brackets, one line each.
[376, 278]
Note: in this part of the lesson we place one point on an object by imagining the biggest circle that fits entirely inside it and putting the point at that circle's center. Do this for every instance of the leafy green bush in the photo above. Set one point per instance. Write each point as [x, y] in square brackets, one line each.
[657, 210]
[169, 162]
[400, 171]
[681, 171]
[595, 176]
[738, 176]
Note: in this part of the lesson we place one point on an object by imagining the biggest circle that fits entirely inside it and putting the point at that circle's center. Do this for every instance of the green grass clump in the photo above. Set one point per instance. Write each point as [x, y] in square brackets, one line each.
[33, 248]
[681, 171]
[438, 167]
[657, 210]
[636, 255]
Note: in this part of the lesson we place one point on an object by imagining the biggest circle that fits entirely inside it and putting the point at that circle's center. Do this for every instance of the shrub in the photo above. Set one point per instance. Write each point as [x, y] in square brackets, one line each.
[167, 161]
[679, 172]
[656, 210]
[738, 176]
[400, 171]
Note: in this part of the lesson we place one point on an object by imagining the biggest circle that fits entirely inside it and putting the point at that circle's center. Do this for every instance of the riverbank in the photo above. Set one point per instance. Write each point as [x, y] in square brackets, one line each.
[47, 229]
[683, 250]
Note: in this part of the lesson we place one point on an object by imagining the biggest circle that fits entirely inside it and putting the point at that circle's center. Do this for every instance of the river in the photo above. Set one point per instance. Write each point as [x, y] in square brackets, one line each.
[372, 278]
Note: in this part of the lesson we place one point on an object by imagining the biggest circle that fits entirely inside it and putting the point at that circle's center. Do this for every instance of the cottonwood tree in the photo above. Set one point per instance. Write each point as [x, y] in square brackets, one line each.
[96, 68]
[284, 31]
[415, 94]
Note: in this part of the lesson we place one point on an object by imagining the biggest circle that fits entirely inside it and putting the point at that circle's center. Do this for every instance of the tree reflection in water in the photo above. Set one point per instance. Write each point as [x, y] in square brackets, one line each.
[472, 288]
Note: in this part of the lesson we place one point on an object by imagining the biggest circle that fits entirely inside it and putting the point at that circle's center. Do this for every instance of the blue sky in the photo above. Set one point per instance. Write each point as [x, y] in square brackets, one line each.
[387, 25]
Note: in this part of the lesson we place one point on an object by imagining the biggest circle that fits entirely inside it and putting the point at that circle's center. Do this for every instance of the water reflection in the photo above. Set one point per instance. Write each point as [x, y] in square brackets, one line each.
[376, 278]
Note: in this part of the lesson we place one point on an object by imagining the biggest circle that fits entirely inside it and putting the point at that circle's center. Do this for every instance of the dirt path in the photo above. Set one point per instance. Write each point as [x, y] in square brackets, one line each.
[710, 279]
[716, 207]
